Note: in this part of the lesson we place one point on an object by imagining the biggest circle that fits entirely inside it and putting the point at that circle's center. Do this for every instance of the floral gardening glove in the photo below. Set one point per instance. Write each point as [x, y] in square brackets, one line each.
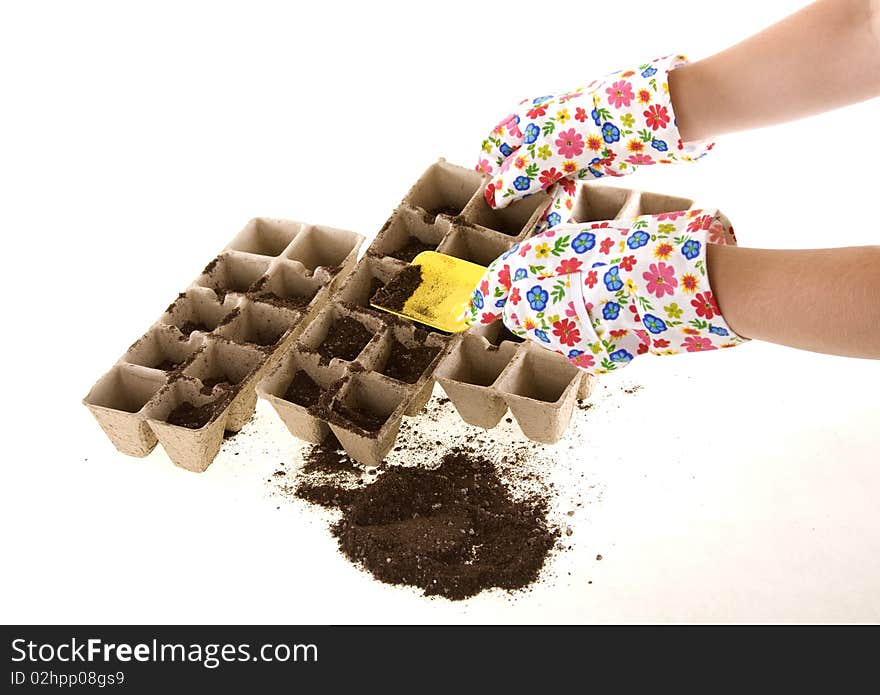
[610, 127]
[604, 292]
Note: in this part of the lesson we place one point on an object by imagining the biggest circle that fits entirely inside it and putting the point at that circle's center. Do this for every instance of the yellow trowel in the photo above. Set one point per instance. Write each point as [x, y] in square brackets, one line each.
[435, 290]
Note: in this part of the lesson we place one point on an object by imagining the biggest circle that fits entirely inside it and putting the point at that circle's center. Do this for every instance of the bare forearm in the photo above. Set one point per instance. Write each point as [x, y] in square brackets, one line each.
[821, 58]
[824, 300]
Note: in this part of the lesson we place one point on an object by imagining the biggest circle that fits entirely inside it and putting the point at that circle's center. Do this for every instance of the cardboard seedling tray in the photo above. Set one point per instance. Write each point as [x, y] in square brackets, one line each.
[264, 312]
[230, 327]
[487, 371]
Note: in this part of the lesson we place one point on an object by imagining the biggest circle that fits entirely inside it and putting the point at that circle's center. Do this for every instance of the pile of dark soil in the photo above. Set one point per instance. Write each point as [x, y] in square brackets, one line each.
[327, 469]
[345, 339]
[329, 457]
[452, 531]
[399, 289]
[412, 249]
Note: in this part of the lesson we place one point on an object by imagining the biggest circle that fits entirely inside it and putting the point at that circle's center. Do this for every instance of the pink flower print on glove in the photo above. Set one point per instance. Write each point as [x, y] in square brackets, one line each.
[608, 127]
[606, 292]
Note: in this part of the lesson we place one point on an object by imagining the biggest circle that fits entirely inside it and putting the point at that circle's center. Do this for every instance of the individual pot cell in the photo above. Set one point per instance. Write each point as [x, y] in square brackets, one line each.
[466, 375]
[407, 234]
[496, 333]
[340, 333]
[365, 416]
[116, 401]
[595, 203]
[229, 369]
[540, 389]
[233, 272]
[515, 220]
[265, 236]
[409, 355]
[162, 348]
[198, 311]
[406, 355]
[370, 275]
[474, 245]
[656, 203]
[189, 423]
[260, 324]
[295, 388]
[287, 286]
[319, 246]
[444, 189]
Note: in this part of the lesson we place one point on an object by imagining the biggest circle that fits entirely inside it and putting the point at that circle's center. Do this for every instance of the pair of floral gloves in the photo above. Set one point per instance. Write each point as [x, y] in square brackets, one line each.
[601, 293]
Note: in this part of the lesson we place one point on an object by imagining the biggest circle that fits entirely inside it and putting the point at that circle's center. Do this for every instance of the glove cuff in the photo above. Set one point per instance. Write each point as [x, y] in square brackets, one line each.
[664, 271]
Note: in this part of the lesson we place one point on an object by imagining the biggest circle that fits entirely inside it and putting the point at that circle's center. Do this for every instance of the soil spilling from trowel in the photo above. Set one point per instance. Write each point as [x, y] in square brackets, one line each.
[399, 289]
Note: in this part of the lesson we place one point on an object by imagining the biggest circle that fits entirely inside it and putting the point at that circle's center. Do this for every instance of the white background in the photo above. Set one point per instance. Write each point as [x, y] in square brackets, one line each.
[136, 139]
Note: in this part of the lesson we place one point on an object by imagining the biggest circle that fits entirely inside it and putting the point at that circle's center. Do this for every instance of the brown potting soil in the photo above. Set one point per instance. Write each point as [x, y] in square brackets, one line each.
[412, 249]
[345, 339]
[365, 420]
[328, 457]
[169, 365]
[195, 417]
[303, 390]
[399, 289]
[408, 364]
[326, 495]
[453, 531]
[375, 285]
[295, 302]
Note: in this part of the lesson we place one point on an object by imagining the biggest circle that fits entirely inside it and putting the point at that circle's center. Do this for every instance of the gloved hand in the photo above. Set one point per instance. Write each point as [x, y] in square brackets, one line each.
[610, 127]
[603, 293]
